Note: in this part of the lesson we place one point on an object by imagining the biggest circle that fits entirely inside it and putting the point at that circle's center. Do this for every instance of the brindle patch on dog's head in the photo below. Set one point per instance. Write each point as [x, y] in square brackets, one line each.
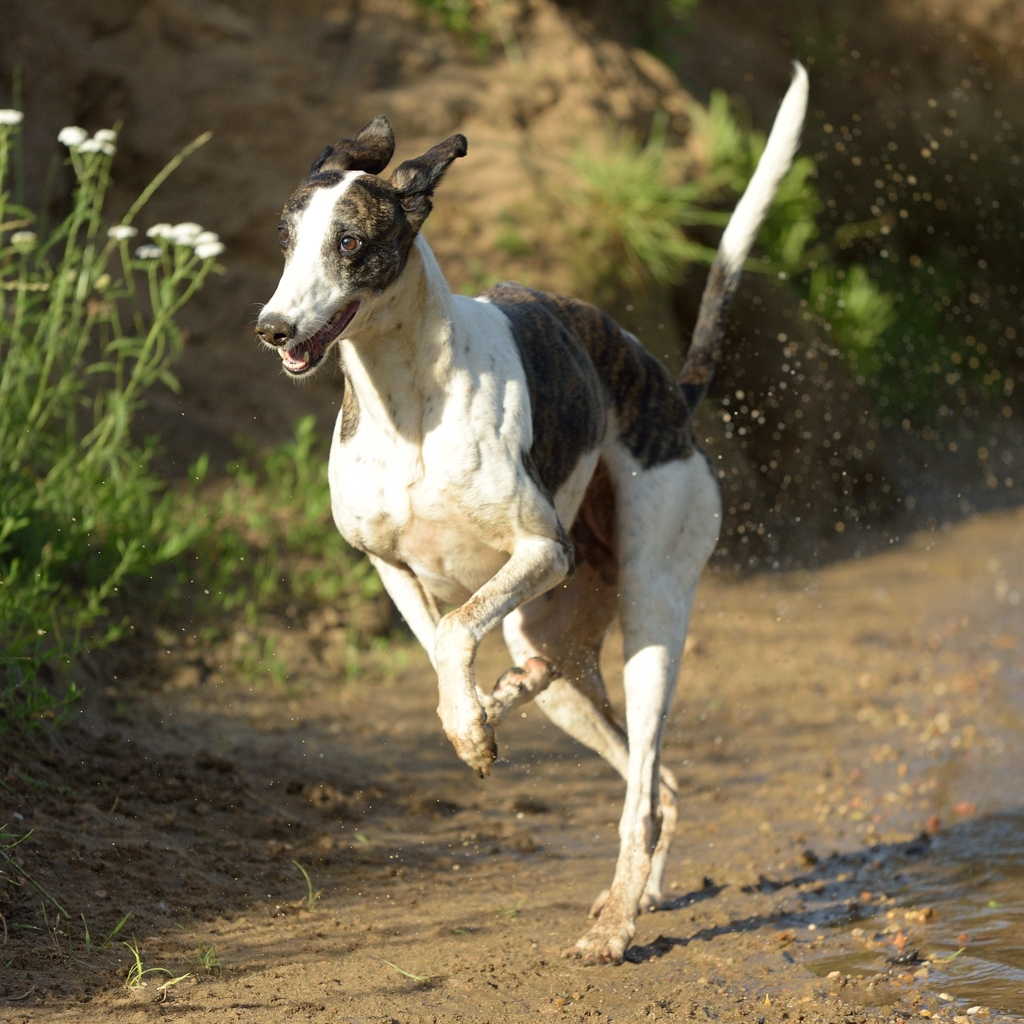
[346, 236]
[371, 150]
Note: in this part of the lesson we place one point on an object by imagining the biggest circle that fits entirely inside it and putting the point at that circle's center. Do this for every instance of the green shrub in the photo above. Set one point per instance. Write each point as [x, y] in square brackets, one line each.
[633, 204]
[858, 314]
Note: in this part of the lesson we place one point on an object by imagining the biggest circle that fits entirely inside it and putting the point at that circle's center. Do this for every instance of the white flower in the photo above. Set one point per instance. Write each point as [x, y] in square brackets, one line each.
[160, 231]
[185, 233]
[11, 117]
[206, 238]
[72, 136]
[25, 239]
[208, 250]
[105, 135]
[148, 252]
[96, 146]
[120, 232]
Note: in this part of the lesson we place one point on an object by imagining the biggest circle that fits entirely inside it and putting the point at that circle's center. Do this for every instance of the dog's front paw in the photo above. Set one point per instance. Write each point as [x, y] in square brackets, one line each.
[475, 744]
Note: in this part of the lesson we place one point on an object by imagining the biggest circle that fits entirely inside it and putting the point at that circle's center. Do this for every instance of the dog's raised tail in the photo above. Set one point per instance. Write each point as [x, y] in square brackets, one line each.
[738, 237]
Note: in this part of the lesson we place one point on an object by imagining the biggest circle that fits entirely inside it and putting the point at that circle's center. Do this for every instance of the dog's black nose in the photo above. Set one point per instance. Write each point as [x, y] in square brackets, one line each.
[275, 330]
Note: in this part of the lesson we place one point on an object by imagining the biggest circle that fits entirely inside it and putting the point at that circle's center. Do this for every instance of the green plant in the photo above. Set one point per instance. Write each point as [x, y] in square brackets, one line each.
[856, 310]
[311, 895]
[633, 205]
[268, 545]
[484, 23]
[423, 979]
[206, 957]
[511, 913]
[135, 979]
[87, 328]
[844, 299]
[105, 944]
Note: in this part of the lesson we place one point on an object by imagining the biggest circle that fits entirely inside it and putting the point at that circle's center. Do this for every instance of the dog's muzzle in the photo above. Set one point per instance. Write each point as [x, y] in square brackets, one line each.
[302, 357]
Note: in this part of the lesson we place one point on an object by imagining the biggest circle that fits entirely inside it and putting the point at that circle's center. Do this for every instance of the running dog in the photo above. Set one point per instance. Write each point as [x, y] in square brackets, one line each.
[521, 457]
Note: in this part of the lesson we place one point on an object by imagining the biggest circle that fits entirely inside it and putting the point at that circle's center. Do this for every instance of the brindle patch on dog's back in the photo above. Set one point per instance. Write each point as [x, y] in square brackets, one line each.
[654, 417]
[568, 402]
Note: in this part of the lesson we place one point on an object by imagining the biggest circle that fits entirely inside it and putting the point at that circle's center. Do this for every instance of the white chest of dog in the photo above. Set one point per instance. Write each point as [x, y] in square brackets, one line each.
[424, 469]
[519, 456]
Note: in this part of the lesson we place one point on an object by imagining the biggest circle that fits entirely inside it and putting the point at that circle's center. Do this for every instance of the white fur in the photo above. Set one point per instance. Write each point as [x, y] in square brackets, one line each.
[775, 161]
[306, 296]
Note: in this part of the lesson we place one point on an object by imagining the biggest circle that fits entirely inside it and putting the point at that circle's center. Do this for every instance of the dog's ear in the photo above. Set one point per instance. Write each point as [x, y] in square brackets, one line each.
[415, 180]
[371, 150]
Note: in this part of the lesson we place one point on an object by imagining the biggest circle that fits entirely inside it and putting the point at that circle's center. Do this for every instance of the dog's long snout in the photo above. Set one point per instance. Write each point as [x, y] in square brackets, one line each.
[275, 330]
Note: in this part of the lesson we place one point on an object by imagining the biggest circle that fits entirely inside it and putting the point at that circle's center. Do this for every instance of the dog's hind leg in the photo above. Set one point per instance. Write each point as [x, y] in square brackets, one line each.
[668, 525]
[566, 627]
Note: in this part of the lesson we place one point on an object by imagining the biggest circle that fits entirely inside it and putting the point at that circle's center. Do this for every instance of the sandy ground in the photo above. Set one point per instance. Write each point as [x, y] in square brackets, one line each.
[824, 721]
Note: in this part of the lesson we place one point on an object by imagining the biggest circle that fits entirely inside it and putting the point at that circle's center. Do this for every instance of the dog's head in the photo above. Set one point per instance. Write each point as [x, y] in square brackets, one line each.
[346, 236]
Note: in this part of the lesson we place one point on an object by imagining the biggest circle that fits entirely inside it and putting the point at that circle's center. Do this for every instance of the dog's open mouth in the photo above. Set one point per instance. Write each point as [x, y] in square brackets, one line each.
[303, 356]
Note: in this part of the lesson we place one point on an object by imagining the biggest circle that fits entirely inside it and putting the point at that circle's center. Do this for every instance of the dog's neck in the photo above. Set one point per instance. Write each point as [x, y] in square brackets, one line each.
[399, 360]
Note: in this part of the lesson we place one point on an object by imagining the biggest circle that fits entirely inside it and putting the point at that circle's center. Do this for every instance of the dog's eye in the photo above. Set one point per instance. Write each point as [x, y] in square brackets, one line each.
[349, 243]
[282, 237]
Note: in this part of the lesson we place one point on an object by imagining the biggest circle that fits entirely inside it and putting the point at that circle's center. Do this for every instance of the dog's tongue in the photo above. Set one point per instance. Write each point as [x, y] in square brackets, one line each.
[297, 358]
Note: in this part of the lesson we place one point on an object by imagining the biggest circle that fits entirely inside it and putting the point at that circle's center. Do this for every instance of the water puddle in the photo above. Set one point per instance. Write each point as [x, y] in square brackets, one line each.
[972, 879]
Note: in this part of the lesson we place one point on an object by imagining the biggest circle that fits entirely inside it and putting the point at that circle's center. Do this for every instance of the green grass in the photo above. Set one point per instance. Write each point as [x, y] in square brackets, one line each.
[90, 947]
[137, 972]
[422, 979]
[206, 959]
[311, 895]
[464, 18]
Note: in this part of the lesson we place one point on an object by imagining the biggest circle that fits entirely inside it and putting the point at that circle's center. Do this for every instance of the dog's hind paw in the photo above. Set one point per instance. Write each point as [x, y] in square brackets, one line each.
[517, 686]
[601, 946]
[650, 902]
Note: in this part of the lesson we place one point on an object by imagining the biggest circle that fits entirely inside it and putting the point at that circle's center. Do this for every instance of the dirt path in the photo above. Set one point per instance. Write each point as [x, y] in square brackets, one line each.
[823, 720]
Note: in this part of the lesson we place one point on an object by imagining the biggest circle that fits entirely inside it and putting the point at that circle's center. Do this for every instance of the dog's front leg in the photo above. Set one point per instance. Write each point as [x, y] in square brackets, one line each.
[418, 608]
[536, 565]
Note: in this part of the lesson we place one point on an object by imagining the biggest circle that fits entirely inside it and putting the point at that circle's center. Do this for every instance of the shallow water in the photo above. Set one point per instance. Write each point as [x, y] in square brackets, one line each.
[973, 879]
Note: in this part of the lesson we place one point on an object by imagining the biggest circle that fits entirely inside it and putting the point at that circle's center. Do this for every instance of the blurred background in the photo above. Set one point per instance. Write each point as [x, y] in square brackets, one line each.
[869, 381]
